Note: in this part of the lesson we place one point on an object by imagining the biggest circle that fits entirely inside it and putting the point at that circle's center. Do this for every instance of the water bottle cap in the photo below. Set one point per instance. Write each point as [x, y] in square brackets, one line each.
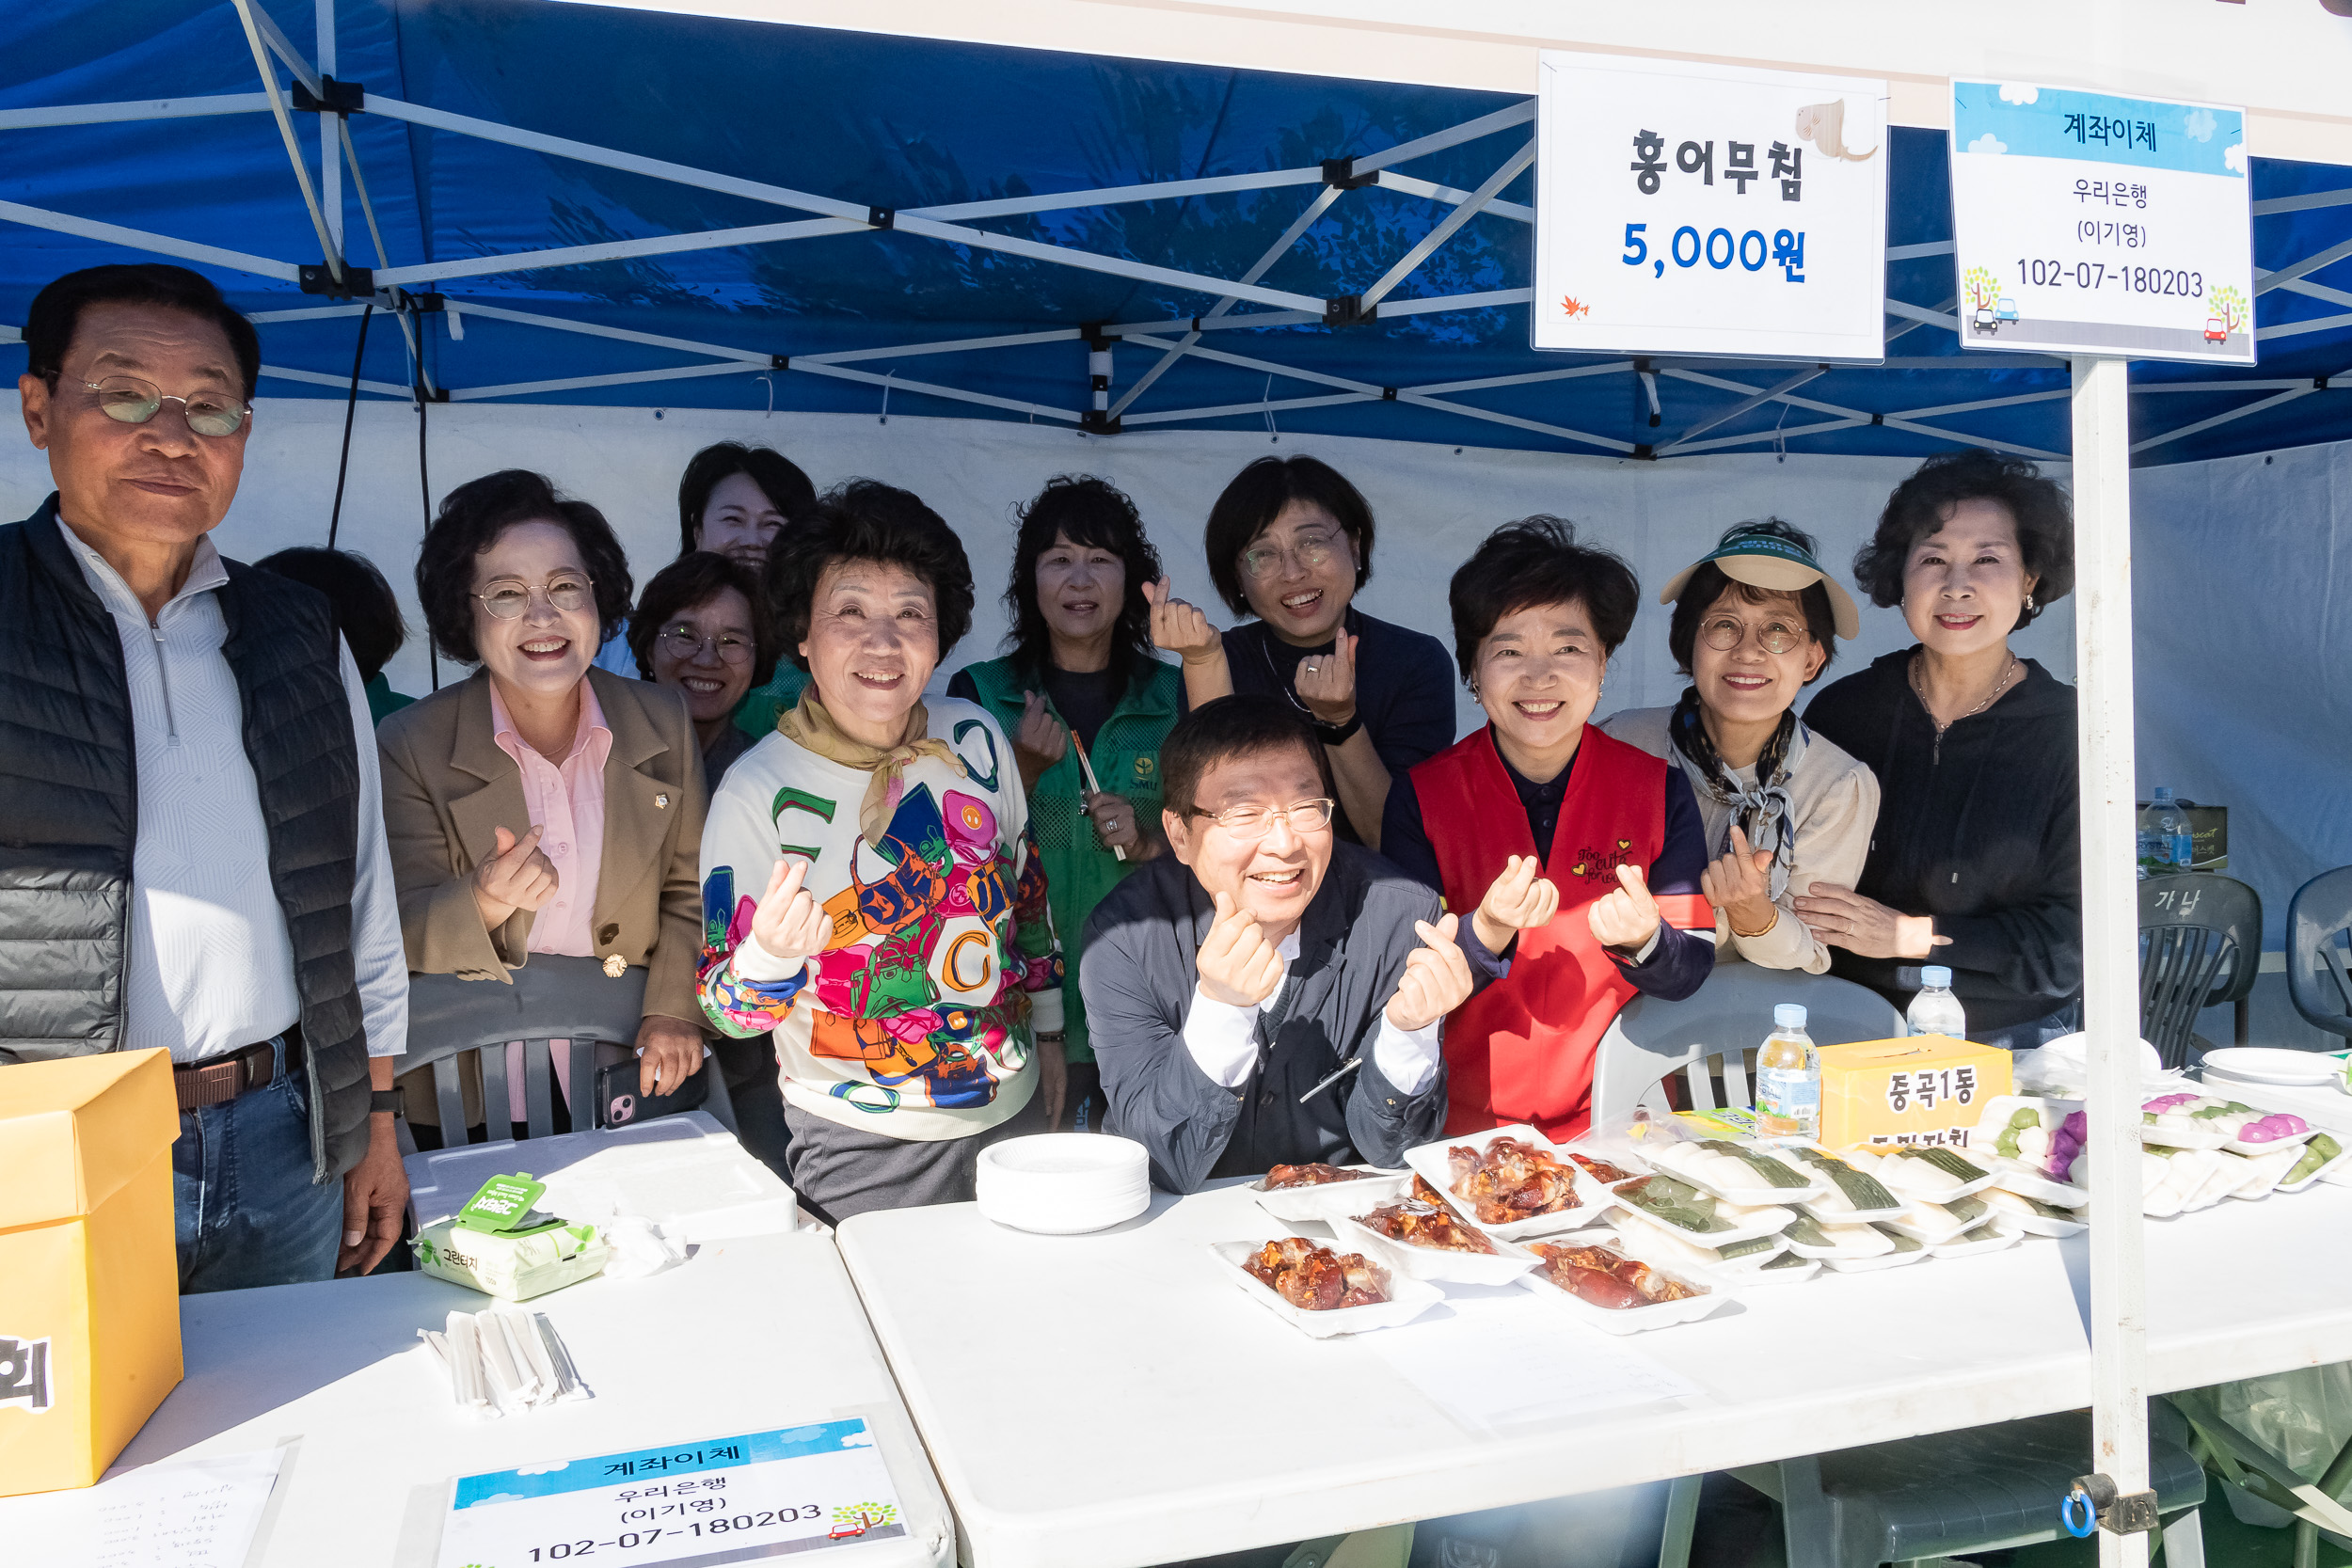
[2164, 795]
[1935, 974]
[1789, 1015]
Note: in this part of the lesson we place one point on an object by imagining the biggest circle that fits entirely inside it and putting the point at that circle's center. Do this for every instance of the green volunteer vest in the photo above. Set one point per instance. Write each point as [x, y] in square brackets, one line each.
[1126, 756]
[756, 714]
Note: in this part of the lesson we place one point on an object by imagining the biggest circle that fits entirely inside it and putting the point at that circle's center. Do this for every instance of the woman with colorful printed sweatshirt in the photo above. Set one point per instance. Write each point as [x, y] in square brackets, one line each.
[870, 893]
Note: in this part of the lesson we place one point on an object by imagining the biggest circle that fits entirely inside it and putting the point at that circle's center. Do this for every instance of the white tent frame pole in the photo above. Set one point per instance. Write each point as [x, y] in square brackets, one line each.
[2111, 921]
[1754, 400]
[247, 12]
[330, 159]
[1894, 421]
[154, 108]
[1391, 180]
[139, 239]
[1503, 118]
[1275, 252]
[1511, 169]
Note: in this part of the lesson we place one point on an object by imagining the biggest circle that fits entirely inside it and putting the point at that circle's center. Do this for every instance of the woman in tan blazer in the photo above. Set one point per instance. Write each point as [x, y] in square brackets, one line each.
[541, 805]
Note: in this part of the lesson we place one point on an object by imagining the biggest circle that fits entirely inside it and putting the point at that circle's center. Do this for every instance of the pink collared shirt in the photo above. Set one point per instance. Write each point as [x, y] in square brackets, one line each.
[566, 797]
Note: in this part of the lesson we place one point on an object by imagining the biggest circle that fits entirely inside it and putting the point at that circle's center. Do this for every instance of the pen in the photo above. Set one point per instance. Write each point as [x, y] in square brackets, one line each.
[1094, 786]
[1346, 1068]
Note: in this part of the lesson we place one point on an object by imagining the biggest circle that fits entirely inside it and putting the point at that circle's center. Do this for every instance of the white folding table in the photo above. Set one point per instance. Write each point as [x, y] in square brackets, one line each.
[751, 1333]
[1111, 1401]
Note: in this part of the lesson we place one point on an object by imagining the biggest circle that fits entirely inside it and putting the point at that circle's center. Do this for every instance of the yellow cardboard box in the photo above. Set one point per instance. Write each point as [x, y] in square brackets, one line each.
[1924, 1089]
[90, 1288]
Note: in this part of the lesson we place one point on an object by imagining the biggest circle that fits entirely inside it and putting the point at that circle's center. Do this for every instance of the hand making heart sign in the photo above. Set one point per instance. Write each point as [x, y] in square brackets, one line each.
[1237, 965]
[1436, 977]
[1520, 900]
[1627, 916]
[1326, 682]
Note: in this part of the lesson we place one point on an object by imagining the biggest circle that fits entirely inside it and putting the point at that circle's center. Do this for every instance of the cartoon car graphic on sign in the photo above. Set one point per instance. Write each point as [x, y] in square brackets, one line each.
[2006, 310]
[1982, 321]
[2216, 331]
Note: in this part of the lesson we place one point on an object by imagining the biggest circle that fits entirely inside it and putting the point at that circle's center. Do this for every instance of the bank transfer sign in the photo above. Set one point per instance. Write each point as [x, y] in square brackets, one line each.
[2088, 223]
[1685, 208]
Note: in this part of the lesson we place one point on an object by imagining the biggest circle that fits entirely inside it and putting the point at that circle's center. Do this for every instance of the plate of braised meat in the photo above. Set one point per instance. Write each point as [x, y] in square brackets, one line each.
[1511, 1182]
[1421, 1236]
[1614, 1291]
[1324, 1192]
[1321, 1291]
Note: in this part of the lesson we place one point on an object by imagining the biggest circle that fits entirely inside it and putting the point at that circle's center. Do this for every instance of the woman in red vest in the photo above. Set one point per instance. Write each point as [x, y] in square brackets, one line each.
[1614, 832]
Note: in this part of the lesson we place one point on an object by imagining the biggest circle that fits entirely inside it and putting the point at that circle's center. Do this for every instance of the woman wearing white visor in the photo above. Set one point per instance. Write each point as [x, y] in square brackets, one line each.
[1753, 626]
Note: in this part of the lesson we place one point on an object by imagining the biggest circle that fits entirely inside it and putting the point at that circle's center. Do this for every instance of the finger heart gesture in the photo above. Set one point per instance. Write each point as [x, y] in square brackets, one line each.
[1436, 977]
[1326, 682]
[1180, 627]
[1628, 916]
[788, 923]
[1237, 965]
[1520, 900]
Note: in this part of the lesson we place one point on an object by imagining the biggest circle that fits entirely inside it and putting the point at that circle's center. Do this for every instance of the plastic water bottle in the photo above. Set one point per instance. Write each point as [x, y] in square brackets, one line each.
[1788, 1080]
[1935, 1010]
[2171, 841]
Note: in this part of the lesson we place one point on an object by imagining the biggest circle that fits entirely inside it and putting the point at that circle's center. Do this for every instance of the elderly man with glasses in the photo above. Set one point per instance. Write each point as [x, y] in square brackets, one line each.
[1268, 994]
[193, 856]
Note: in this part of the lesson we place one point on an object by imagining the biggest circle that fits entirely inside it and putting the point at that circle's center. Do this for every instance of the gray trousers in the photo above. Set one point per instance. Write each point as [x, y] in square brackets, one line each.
[838, 1171]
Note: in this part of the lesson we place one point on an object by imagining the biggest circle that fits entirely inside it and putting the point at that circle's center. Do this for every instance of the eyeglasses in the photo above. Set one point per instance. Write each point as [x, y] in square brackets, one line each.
[131, 400]
[1260, 561]
[1725, 634]
[684, 644]
[508, 600]
[1249, 822]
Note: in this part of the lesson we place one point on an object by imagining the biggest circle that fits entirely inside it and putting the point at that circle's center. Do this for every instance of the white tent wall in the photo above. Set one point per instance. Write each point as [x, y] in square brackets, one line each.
[2240, 570]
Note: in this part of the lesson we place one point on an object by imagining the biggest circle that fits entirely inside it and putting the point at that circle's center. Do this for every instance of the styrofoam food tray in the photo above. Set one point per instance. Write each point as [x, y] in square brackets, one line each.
[1911, 1193]
[1295, 1205]
[1408, 1298]
[1632, 1320]
[1831, 1252]
[1657, 1246]
[1435, 1264]
[1593, 1201]
[2004, 1237]
[1766, 1220]
[2015, 1175]
[1796, 1272]
[2269, 1064]
[2334, 1170]
[1884, 1261]
[1932, 1223]
[1830, 1188]
[1818, 1183]
[2034, 1223]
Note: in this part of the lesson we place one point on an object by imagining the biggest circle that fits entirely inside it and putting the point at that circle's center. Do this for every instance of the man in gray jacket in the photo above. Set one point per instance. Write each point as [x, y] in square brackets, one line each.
[1266, 994]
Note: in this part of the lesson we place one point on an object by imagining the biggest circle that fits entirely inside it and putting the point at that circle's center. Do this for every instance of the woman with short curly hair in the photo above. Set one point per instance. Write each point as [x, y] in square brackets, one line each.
[1975, 863]
[871, 894]
[1082, 680]
[544, 806]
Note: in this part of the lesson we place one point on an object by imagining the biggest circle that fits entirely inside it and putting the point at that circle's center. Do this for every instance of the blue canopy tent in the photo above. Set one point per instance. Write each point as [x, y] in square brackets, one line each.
[578, 205]
[569, 205]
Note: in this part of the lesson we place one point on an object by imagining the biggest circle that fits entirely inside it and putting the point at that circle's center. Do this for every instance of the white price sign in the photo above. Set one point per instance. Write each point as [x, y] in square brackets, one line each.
[1684, 208]
[2091, 224]
[729, 1499]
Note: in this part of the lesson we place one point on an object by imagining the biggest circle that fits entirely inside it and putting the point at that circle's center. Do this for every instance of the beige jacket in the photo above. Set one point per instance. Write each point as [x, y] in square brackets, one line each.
[1835, 801]
[447, 786]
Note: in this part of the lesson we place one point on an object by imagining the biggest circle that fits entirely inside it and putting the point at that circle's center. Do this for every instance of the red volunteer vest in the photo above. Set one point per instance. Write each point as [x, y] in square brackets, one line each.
[1522, 1049]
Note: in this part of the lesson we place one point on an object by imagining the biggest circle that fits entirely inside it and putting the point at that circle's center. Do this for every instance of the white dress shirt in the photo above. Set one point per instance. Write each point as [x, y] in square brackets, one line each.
[1223, 1039]
[210, 963]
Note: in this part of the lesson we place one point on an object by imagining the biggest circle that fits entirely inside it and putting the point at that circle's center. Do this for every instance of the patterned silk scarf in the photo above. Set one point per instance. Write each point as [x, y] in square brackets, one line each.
[1763, 810]
[809, 725]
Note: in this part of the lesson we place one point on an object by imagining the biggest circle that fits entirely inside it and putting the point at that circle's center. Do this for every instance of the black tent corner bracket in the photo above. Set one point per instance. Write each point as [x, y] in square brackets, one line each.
[1348, 311]
[1340, 174]
[1095, 421]
[334, 98]
[881, 217]
[356, 282]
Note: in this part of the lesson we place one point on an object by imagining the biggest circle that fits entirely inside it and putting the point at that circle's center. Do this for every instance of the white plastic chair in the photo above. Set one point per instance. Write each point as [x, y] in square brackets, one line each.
[1711, 1037]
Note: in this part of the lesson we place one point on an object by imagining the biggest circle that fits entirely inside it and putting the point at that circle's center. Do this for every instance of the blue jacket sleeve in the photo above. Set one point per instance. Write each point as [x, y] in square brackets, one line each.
[1682, 960]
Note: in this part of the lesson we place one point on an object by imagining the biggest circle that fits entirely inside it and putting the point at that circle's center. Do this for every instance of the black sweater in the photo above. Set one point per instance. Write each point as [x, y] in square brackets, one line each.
[1983, 837]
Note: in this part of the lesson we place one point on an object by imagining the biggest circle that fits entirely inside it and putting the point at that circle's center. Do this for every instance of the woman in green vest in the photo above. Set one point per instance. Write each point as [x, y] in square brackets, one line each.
[1082, 683]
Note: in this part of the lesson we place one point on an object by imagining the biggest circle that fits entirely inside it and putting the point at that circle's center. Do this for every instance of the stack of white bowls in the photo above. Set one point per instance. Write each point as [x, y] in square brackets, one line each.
[1064, 1184]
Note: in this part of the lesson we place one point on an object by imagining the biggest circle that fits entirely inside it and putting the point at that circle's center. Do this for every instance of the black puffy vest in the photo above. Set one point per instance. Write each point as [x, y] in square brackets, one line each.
[68, 815]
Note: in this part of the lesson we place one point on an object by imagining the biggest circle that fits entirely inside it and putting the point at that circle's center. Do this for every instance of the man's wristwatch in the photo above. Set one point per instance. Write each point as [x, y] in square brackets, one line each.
[387, 1100]
[1338, 735]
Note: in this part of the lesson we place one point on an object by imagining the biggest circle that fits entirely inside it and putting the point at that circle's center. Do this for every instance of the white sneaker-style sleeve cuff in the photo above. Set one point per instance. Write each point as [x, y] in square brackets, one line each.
[1409, 1061]
[1223, 1039]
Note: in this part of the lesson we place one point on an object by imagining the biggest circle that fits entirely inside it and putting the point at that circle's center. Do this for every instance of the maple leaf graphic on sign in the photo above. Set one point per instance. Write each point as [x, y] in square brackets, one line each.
[1570, 304]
